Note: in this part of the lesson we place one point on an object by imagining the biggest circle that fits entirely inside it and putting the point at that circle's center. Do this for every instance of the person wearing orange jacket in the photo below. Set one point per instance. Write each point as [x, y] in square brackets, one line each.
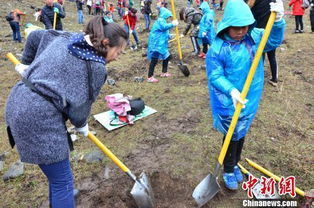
[14, 21]
[297, 12]
[130, 20]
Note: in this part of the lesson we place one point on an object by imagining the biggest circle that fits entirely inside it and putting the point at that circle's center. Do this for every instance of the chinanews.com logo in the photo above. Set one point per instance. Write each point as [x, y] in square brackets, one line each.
[267, 195]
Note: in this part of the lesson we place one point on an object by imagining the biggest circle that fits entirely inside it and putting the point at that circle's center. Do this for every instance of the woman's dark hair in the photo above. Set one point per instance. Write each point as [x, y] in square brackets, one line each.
[98, 30]
[133, 10]
[181, 13]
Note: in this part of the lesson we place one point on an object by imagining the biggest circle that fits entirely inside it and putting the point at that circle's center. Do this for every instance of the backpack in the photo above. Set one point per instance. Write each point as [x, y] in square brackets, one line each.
[9, 17]
[305, 4]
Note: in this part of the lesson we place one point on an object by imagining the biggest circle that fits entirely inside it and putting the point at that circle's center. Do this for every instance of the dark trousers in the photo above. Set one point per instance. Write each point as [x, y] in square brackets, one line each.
[205, 48]
[60, 180]
[298, 22]
[195, 44]
[89, 9]
[15, 26]
[154, 62]
[271, 55]
[312, 19]
[233, 155]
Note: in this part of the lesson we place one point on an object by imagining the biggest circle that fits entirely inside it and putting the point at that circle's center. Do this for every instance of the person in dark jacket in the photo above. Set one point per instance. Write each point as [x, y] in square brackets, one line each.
[80, 15]
[191, 16]
[147, 11]
[64, 76]
[48, 12]
[261, 13]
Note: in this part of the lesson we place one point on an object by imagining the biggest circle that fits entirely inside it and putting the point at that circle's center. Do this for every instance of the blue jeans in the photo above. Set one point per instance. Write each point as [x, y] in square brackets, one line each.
[80, 16]
[147, 21]
[126, 27]
[15, 26]
[60, 180]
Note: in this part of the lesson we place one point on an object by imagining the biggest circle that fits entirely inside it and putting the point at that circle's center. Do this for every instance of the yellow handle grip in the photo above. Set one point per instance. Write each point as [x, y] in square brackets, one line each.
[177, 30]
[13, 59]
[54, 18]
[246, 87]
[108, 152]
[268, 173]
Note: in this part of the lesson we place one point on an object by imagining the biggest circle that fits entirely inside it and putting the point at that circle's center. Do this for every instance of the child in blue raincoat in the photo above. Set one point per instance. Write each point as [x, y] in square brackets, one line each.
[206, 33]
[227, 64]
[158, 44]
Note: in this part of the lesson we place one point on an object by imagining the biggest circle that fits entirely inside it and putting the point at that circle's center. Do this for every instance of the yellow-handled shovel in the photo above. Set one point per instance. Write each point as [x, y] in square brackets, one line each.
[209, 186]
[142, 190]
[183, 68]
[54, 17]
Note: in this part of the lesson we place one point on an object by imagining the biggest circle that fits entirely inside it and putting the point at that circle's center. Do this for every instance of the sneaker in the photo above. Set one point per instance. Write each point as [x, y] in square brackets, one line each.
[230, 181]
[152, 80]
[297, 31]
[301, 31]
[201, 55]
[238, 174]
[273, 82]
[194, 53]
[165, 75]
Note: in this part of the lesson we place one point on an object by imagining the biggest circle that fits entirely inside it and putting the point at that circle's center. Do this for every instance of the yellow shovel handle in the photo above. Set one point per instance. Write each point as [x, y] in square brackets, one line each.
[246, 87]
[177, 29]
[268, 173]
[54, 18]
[108, 152]
[245, 171]
[13, 59]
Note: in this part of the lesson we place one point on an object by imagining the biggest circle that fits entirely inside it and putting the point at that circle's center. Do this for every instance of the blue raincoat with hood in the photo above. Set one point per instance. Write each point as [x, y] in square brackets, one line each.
[228, 62]
[159, 36]
[207, 24]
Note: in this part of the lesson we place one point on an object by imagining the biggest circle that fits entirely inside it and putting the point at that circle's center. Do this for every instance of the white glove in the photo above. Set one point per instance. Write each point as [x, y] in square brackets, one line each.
[83, 130]
[131, 31]
[20, 68]
[126, 13]
[235, 94]
[175, 22]
[181, 35]
[312, 5]
[203, 34]
[278, 8]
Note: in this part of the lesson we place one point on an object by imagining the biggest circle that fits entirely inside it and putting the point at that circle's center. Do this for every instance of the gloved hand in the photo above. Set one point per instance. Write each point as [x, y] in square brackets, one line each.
[175, 22]
[56, 10]
[203, 34]
[181, 35]
[311, 4]
[131, 31]
[172, 36]
[278, 8]
[126, 13]
[83, 130]
[235, 94]
[20, 68]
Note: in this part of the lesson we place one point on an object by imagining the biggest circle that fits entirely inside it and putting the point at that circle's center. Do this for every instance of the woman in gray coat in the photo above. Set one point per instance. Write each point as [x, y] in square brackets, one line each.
[65, 74]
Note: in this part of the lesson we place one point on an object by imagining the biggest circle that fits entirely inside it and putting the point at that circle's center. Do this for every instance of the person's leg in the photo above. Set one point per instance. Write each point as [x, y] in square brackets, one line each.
[273, 65]
[205, 48]
[152, 65]
[18, 33]
[89, 9]
[78, 16]
[196, 47]
[13, 30]
[239, 149]
[165, 64]
[312, 20]
[135, 36]
[296, 24]
[60, 179]
[146, 21]
[301, 23]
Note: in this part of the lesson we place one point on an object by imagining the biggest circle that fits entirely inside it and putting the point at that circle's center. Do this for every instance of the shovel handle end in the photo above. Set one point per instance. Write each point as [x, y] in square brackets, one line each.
[13, 59]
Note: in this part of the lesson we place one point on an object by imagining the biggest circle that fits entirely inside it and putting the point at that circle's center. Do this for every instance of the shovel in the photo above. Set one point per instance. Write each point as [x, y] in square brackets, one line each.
[269, 174]
[54, 17]
[209, 186]
[183, 68]
[142, 190]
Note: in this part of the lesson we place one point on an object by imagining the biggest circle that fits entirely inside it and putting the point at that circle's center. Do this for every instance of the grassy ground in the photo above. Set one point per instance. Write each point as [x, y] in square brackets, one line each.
[177, 146]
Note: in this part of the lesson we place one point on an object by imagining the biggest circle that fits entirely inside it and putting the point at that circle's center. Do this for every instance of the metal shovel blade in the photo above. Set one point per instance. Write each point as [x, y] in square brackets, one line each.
[206, 190]
[142, 192]
[184, 69]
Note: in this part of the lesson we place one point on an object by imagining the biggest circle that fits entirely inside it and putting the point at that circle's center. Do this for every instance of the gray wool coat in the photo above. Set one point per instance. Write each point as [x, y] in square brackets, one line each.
[37, 125]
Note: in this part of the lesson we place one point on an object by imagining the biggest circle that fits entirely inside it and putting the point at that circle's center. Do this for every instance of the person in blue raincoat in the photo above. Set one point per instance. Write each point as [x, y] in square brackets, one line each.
[227, 64]
[158, 44]
[207, 30]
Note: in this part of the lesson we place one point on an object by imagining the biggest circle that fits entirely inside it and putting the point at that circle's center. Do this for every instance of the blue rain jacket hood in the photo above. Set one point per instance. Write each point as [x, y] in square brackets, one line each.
[207, 24]
[228, 63]
[238, 14]
[159, 36]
